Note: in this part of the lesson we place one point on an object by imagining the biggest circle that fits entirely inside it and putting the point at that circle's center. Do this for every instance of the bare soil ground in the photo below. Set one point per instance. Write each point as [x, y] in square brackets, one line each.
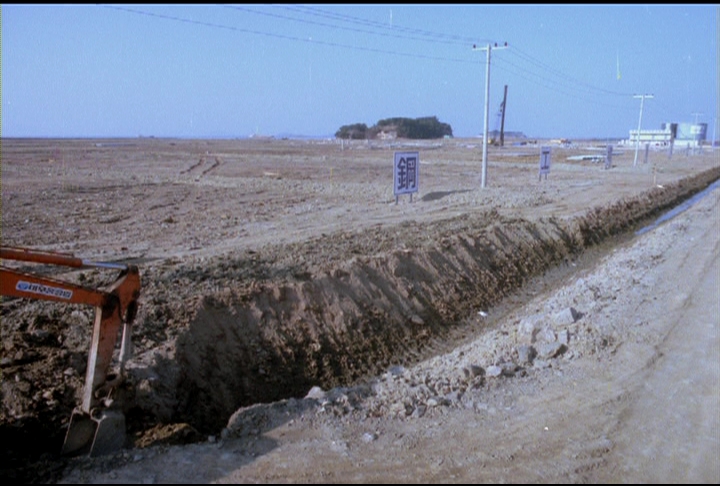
[297, 325]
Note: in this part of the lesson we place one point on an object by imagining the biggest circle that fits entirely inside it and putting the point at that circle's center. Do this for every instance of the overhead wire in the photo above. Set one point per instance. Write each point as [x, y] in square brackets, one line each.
[429, 37]
[658, 105]
[282, 36]
[556, 80]
[565, 80]
[527, 57]
[553, 85]
[434, 36]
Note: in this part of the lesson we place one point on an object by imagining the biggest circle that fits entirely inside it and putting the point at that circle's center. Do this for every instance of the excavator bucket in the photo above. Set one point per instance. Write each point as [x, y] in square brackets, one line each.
[95, 436]
[96, 428]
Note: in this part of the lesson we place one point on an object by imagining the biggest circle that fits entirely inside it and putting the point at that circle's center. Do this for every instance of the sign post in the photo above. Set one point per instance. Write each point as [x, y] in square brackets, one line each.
[544, 162]
[608, 157]
[406, 173]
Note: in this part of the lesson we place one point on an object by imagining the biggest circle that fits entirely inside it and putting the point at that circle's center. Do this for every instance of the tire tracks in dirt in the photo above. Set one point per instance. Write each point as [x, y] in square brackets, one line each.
[667, 429]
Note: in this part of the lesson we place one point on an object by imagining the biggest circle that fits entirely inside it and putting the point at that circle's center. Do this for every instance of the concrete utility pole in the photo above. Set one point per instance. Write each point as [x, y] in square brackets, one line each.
[488, 48]
[637, 137]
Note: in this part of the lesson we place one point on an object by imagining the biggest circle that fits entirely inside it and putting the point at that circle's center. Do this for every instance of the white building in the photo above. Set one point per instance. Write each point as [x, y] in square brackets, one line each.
[680, 134]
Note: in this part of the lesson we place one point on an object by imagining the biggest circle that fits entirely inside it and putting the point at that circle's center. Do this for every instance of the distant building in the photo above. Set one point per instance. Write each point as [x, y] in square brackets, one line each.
[690, 134]
[661, 137]
[683, 135]
[390, 134]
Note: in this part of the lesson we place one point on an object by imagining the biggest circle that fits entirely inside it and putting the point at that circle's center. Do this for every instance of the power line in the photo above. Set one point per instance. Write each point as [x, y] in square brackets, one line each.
[456, 39]
[333, 26]
[346, 18]
[460, 40]
[551, 86]
[527, 57]
[565, 81]
[282, 36]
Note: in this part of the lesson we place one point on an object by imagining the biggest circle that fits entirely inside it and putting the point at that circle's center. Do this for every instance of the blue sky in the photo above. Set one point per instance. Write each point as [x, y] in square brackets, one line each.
[208, 71]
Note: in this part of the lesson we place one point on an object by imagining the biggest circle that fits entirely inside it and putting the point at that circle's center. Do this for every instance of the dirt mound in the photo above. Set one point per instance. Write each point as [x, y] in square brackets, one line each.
[328, 321]
[588, 374]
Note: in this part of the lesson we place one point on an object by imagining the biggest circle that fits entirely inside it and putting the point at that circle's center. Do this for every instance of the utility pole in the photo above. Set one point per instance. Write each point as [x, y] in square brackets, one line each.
[487, 48]
[699, 142]
[502, 123]
[637, 137]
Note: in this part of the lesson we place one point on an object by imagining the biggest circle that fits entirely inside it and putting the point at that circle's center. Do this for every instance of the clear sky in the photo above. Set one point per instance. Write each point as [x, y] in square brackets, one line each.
[208, 71]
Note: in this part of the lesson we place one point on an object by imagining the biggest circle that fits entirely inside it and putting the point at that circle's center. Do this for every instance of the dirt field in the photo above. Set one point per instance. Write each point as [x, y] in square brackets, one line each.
[518, 332]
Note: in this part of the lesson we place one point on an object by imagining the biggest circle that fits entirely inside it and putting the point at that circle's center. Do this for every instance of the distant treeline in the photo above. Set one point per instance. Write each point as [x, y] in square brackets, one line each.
[399, 127]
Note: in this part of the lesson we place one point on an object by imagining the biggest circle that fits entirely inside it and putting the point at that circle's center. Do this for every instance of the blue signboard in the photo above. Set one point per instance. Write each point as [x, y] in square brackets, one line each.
[406, 172]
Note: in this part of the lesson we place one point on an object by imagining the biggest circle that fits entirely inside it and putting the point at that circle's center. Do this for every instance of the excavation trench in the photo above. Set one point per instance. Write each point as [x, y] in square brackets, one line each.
[333, 324]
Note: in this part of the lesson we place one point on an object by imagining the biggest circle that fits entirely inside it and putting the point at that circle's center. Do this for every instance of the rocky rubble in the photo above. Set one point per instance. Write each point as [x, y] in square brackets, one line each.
[544, 337]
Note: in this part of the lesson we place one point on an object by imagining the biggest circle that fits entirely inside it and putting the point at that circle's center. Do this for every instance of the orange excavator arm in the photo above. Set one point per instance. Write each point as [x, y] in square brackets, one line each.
[93, 427]
[20, 284]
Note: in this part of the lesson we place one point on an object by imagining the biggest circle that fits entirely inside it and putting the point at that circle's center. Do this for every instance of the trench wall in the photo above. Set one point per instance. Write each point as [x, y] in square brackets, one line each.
[361, 317]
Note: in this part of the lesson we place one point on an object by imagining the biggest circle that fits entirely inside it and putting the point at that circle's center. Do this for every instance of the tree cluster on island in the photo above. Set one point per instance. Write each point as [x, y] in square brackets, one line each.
[427, 127]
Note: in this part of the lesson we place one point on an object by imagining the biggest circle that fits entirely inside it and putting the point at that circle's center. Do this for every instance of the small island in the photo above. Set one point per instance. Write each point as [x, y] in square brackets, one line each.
[428, 127]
